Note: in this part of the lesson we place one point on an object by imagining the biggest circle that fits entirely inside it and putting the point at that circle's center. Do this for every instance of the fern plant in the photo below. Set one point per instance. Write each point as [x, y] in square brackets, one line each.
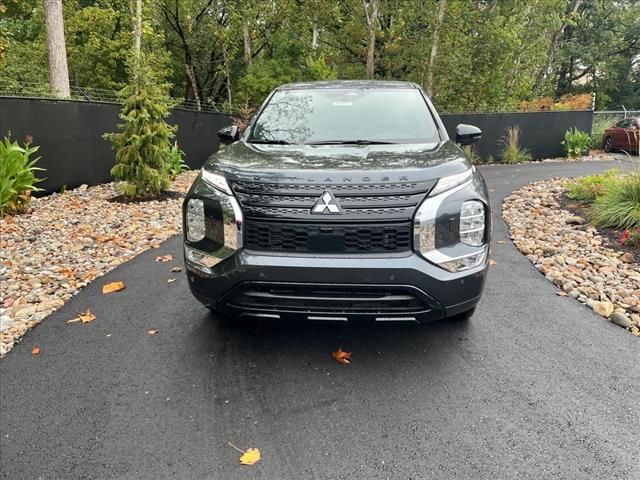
[17, 176]
[511, 150]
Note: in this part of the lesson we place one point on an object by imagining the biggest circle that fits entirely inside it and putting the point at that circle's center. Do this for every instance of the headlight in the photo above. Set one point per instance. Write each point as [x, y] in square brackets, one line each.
[196, 226]
[472, 223]
[452, 181]
[455, 256]
[216, 180]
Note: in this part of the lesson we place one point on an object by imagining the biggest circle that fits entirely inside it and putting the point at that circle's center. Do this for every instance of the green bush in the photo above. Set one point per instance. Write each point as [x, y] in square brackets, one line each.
[143, 147]
[619, 207]
[587, 189]
[576, 143]
[511, 151]
[176, 164]
[17, 176]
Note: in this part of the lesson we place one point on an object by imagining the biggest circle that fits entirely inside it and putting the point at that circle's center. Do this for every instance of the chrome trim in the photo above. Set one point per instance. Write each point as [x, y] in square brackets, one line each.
[424, 220]
[436, 256]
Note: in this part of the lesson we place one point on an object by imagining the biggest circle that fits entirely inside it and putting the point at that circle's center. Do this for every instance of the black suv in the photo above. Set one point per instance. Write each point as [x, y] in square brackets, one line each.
[342, 201]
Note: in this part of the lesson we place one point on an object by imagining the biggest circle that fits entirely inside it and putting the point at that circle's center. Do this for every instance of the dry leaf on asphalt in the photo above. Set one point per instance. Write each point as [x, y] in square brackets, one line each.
[250, 457]
[164, 258]
[176, 269]
[84, 317]
[562, 294]
[35, 351]
[171, 280]
[492, 262]
[342, 357]
[113, 287]
[152, 331]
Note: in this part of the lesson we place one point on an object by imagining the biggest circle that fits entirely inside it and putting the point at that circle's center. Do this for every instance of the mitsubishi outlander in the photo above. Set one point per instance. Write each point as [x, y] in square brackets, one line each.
[342, 201]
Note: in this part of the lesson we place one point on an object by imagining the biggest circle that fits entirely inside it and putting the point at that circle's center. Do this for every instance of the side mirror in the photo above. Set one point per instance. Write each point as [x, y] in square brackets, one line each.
[467, 134]
[229, 135]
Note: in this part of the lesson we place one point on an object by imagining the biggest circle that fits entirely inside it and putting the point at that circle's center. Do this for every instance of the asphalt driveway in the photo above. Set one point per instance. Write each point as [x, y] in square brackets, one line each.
[534, 386]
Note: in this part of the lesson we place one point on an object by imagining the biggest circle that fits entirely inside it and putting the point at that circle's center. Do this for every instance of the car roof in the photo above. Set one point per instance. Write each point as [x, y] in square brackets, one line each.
[347, 84]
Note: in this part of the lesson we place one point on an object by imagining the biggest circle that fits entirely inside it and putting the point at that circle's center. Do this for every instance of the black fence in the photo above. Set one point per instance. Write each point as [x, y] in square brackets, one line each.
[541, 133]
[73, 151]
[70, 137]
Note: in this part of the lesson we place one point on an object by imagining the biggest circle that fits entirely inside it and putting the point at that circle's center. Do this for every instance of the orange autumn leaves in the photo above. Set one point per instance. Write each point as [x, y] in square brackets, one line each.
[342, 357]
[113, 287]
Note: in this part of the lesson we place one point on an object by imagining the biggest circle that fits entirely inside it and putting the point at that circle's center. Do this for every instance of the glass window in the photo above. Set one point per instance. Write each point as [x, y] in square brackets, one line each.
[338, 115]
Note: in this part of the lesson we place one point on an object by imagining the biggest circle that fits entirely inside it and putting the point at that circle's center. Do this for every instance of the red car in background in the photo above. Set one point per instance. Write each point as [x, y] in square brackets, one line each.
[624, 135]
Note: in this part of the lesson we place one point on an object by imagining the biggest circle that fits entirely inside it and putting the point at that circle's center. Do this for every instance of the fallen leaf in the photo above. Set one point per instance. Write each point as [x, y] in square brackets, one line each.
[152, 331]
[342, 357]
[176, 269]
[492, 262]
[250, 457]
[91, 275]
[113, 287]
[164, 258]
[562, 294]
[67, 272]
[86, 317]
[35, 351]
[171, 280]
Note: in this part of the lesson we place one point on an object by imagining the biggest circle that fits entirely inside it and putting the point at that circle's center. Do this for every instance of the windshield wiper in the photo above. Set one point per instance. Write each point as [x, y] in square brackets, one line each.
[271, 142]
[350, 142]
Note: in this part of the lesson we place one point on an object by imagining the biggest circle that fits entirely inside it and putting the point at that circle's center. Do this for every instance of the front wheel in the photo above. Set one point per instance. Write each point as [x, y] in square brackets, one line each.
[608, 144]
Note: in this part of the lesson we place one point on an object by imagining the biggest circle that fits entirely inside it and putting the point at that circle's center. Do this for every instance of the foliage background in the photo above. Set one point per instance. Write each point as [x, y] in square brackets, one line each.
[492, 55]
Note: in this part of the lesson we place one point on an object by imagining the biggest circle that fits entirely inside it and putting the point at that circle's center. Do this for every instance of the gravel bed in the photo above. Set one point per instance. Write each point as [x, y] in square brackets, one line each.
[574, 255]
[65, 241]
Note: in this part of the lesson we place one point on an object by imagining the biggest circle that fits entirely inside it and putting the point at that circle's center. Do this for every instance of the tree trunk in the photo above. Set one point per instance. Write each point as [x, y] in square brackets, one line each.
[555, 41]
[246, 35]
[58, 69]
[434, 46]
[371, 26]
[137, 29]
[314, 38]
[194, 86]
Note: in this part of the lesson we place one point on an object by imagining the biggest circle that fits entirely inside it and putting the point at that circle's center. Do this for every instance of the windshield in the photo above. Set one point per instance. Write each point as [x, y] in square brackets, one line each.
[360, 116]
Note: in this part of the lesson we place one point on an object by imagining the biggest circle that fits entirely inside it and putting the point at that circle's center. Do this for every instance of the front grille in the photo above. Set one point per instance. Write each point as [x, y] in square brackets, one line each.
[385, 202]
[289, 237]
[373, 218]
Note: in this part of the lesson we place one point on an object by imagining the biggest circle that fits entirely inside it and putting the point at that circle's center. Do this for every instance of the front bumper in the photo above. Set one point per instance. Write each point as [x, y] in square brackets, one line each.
[334, 288]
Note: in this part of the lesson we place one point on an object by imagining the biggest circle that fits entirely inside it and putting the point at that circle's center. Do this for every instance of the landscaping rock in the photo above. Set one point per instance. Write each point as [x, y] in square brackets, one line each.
[572, 254]
[65, 241]
[603, 308]
[621, 320]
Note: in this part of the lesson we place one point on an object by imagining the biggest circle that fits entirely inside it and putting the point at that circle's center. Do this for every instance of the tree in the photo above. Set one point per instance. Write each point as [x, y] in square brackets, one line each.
[143, 147]
[58, 69]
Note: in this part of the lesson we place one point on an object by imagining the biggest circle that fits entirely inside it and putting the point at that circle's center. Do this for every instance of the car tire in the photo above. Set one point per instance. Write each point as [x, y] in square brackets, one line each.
[608, 144]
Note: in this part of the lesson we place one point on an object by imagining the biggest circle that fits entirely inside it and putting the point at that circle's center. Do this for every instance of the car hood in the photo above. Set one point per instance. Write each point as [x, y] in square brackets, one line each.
[327, 163]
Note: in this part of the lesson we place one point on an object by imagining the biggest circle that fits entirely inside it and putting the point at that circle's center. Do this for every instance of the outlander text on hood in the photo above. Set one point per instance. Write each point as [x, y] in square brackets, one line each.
[342, 201]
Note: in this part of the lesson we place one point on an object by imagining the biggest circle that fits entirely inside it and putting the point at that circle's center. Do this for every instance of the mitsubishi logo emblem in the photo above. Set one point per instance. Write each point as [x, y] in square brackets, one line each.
[326, 204]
